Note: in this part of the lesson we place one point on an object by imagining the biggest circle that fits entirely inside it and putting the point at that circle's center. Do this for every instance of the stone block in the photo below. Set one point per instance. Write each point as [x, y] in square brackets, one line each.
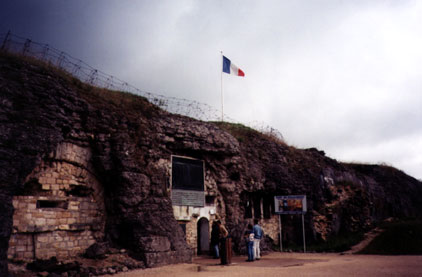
[64, 227]
[154, 244]
[28, 216]
[40, 221]
[169, 257]
[73, 205]
[38, 214]
[42, 239]
[45, 186]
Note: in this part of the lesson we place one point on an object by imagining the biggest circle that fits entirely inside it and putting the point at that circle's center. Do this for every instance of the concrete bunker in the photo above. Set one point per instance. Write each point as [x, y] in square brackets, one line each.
[60, 211]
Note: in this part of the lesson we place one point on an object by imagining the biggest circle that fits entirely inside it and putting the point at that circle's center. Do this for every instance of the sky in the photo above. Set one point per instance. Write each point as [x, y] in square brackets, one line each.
[342, 76]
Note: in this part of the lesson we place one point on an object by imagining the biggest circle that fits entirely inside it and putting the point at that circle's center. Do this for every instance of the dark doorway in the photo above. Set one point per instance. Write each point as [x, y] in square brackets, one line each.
[203, 236]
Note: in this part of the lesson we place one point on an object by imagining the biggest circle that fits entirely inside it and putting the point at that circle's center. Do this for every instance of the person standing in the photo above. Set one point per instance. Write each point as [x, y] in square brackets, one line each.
[215, 239]
[258, 233]
[249, 238]
[223, 234]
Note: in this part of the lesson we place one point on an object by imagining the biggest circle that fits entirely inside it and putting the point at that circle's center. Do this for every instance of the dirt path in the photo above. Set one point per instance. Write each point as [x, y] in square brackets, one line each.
[294, 264]
[367, 239]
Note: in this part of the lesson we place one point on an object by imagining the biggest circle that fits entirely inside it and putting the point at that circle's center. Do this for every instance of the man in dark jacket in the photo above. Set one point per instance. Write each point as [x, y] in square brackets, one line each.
[215, 239]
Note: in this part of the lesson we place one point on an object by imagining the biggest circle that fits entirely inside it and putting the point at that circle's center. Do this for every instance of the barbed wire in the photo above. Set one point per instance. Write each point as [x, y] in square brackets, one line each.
[87, 74]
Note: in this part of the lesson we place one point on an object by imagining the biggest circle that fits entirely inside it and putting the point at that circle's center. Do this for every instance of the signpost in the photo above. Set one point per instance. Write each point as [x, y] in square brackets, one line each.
[291, 204]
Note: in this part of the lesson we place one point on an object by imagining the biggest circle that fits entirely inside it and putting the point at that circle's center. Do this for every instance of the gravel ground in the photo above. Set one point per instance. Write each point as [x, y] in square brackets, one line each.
[294, 264]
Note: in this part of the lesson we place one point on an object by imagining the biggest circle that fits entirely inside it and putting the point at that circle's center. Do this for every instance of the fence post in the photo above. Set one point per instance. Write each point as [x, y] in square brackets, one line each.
[6, 39]
[26, 46]
[76, 68]
[109, 82]
[93, 76]
[60, 59]
[45, 51]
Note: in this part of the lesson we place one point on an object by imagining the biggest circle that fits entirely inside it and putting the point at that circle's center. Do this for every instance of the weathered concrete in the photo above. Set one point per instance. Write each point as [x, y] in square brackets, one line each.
[123, 145]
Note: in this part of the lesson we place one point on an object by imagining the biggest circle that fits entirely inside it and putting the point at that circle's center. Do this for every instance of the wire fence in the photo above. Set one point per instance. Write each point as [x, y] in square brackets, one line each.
[87, 74]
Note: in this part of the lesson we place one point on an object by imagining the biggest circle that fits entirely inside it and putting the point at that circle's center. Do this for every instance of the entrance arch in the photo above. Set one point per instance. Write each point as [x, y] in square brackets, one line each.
[203, 236]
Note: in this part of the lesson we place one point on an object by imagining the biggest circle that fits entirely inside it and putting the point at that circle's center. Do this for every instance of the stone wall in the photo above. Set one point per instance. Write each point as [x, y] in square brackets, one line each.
[191, 235]
[185, 216]
[271, 228]
[60, 211]
[121, 143]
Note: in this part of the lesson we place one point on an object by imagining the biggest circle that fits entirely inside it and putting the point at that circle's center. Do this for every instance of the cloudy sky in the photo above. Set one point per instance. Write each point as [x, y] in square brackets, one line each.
[342, 76]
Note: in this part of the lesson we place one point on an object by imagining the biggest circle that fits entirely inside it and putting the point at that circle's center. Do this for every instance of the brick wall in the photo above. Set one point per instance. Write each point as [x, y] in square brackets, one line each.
[61, 210]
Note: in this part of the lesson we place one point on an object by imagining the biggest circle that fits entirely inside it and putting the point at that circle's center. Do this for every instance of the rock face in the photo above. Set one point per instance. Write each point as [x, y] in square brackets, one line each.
[129, 142]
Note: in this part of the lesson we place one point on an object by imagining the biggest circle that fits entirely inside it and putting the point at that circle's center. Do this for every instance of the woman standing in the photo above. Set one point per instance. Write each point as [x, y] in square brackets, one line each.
[249, 238]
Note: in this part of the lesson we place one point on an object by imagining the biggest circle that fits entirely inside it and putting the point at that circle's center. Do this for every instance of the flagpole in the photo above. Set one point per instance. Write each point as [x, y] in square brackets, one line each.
[221, 71]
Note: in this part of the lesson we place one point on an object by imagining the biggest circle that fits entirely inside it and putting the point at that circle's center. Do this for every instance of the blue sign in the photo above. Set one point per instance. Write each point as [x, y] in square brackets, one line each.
[290, 204]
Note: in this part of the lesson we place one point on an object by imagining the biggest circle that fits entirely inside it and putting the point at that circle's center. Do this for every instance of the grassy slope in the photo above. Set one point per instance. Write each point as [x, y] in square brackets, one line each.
[399, 238]
[121, 102]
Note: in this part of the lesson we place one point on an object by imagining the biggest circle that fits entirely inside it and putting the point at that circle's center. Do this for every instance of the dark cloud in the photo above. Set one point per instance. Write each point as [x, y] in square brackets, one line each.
[344, 76]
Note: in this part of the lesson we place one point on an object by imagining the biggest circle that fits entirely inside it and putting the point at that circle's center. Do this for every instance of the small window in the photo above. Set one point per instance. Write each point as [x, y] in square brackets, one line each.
[257, 206]
[248, 209]
[267, 205]
[187, 174]
[52, 204]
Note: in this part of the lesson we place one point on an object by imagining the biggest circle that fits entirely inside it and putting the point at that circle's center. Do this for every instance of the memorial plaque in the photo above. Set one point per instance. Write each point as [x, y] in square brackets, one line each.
[188, 198]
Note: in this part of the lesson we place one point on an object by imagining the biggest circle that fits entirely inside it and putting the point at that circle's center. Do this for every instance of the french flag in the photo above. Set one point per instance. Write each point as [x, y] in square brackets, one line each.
[230, 68]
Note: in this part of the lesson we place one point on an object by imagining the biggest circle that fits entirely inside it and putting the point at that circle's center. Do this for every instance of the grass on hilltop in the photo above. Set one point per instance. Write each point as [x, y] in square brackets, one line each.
[101, 97]
[243, 133]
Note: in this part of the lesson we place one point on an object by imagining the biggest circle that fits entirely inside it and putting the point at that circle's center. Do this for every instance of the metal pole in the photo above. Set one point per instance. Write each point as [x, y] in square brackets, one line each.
[6, 38]
[303, 230]
[221, 72]
[26, 46]
[281, 235]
